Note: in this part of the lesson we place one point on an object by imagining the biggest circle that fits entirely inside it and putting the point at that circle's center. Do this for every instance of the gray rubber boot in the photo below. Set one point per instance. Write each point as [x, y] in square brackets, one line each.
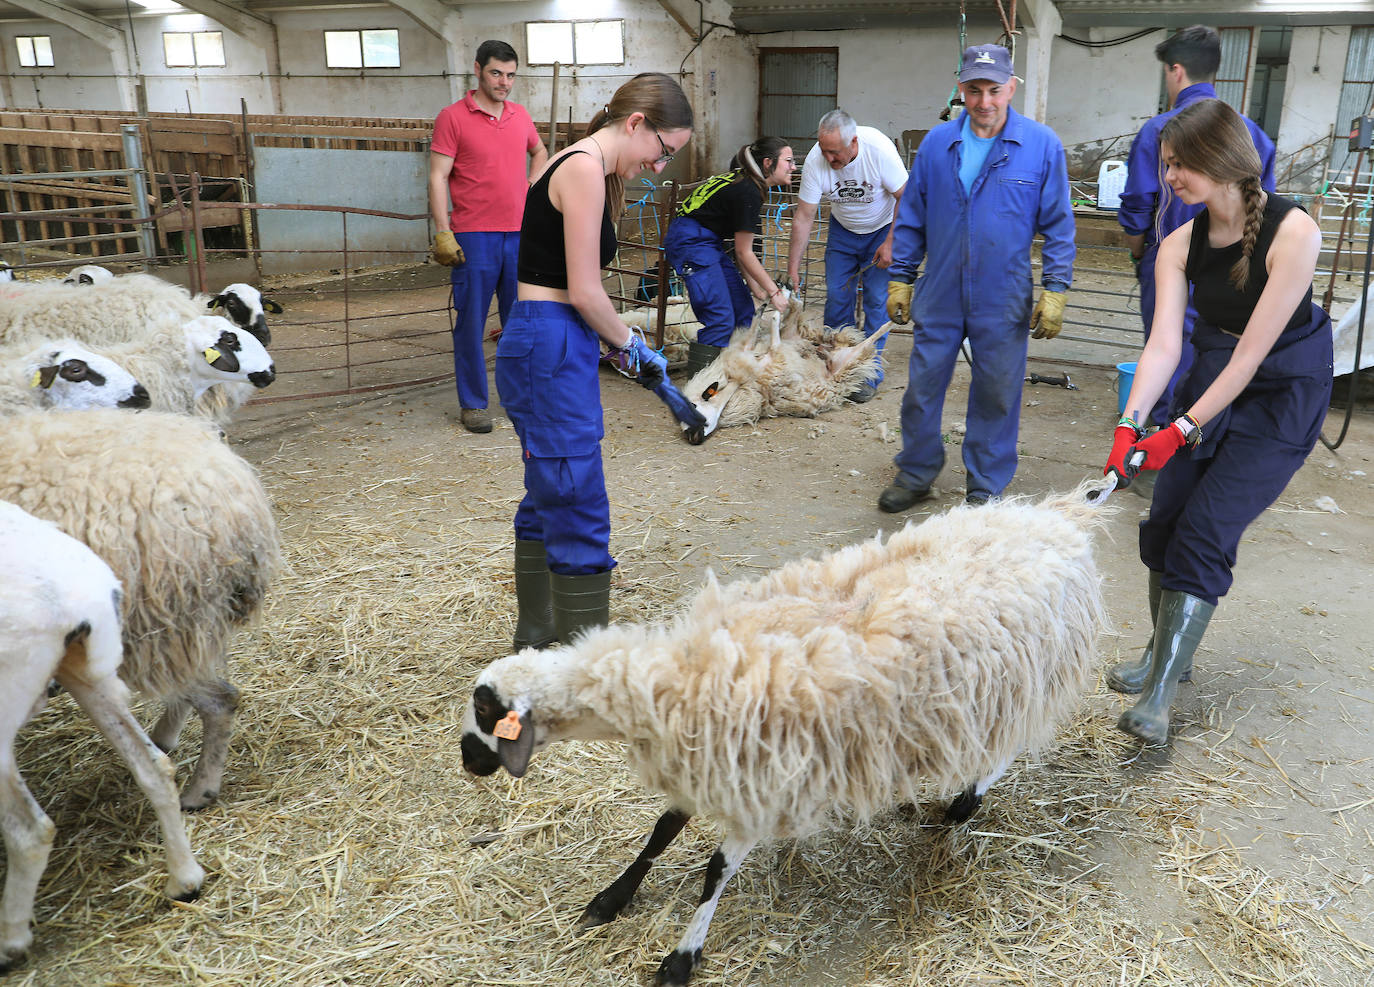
[580, 602]
[533, 596]
[1182, 621]
[1129, 676]
[700, 356]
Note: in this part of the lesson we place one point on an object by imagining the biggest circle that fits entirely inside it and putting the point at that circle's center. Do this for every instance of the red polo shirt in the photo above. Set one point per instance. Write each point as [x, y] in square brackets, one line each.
[490, 165]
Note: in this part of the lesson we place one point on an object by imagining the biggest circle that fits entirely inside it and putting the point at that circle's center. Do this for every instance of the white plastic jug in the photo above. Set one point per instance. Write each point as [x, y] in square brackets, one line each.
[1111, 182]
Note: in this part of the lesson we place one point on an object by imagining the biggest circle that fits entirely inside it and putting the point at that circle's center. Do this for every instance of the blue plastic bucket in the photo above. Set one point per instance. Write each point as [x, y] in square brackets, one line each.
[1125, 376]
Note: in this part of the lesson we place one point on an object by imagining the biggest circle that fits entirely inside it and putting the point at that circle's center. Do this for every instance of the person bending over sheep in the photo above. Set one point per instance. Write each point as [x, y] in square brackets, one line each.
[834, 687]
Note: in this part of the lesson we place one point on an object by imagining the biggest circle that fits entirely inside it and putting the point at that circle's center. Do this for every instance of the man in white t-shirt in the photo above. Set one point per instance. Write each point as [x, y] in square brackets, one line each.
[860, 172]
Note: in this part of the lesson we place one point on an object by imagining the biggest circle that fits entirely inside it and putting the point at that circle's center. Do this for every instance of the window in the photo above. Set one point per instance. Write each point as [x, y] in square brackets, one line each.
[575, 42]
[1234, 70]
[193, 48]
[34, 50]
[367, 49]
[1357, 90]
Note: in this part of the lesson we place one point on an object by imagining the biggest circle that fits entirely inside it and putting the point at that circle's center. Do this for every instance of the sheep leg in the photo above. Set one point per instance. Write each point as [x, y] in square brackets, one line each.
[612, 901]
[676, 968]
[167, 731]
[216, 707]
[968, 801]
[28, 836]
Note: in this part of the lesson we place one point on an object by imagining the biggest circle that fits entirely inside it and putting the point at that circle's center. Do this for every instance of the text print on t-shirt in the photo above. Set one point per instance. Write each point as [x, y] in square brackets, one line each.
[848, 188]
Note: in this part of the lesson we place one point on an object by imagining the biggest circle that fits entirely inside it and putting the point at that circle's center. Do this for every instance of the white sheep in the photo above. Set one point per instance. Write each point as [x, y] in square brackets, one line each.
[6, 272]
[781, 365]
[832, 688]
[88, 274]
[59, 617]
[64, 374]
[187, 527]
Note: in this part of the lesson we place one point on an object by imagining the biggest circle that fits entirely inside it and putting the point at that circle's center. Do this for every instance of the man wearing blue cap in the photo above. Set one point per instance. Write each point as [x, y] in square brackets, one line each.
[980, 188]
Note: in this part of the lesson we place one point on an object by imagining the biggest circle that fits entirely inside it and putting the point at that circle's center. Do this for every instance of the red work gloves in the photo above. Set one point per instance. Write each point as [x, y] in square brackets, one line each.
[1126, 435]
[1159, 446]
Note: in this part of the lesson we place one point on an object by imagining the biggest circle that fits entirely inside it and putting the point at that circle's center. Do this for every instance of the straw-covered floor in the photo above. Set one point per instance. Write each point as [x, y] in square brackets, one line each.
[349, 846]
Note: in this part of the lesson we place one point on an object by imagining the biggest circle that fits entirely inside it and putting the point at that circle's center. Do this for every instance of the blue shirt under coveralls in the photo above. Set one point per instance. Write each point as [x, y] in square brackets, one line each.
[977, 285]
[1143, 194]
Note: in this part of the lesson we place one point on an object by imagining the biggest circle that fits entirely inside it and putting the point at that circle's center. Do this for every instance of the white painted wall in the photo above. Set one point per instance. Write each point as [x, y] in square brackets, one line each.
[90, 83]
[200, 90]
[1316, 65]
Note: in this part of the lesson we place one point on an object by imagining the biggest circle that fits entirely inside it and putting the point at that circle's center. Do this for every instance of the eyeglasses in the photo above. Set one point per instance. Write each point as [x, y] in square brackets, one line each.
[667, 155]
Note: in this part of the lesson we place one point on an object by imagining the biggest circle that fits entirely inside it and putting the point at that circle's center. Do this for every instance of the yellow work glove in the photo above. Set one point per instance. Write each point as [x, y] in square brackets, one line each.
[899, 302]
[446, 250]
[1048, 317]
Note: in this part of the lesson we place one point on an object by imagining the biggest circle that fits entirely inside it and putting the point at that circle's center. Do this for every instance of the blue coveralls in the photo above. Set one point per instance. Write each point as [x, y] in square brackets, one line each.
[720, 299]
[846, 254]
[1143, 193]
[489, 268]
[546, 375]
[977, 285]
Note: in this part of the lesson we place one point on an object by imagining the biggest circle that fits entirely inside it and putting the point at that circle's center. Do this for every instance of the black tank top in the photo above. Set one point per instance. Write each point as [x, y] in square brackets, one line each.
[1209, 271]
[543, 256]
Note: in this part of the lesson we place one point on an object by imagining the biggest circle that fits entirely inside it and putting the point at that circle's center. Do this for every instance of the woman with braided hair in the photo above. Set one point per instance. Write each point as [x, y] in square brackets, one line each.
[1247, 413]
[721, 211]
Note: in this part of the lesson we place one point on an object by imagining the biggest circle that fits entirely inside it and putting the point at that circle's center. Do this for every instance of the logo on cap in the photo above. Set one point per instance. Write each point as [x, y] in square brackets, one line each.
[984, 57]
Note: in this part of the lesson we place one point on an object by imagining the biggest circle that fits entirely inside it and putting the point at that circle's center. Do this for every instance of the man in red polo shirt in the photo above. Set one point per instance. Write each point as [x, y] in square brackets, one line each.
[484, 154]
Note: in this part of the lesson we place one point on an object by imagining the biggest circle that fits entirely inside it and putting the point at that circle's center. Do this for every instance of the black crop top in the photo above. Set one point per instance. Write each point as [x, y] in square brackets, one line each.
[1209, 271]
[543, 258]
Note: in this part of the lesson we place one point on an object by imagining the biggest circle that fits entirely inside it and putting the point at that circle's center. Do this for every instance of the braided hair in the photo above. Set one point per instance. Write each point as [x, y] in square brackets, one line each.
[665, 107]
[1210, 138]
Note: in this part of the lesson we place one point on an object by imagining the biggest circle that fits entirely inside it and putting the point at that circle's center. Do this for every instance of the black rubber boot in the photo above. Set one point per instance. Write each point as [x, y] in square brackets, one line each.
[580, 602]
[1129, 676]
[533, 597]
[1182, 621]
[700, 356]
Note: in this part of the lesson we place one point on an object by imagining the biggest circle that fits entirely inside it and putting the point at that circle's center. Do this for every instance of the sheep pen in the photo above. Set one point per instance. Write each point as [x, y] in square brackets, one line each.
[350, 846]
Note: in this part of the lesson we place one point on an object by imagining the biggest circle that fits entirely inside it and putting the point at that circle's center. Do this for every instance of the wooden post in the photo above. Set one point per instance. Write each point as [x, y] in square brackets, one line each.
[553, 112]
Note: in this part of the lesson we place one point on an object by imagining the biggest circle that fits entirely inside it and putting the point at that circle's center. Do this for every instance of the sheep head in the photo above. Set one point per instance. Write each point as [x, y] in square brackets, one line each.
[68, 375]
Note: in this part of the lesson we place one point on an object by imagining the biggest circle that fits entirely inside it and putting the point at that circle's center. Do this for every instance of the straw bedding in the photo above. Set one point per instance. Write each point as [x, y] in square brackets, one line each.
[350, 847]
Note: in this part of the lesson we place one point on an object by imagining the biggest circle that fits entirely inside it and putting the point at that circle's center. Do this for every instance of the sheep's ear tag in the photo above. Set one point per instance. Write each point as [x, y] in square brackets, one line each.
[507, 728]
[43, 377]
[211, 355]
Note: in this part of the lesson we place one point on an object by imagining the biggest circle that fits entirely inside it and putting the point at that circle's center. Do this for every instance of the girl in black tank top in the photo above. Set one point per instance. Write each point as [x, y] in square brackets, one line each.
[1249, 410]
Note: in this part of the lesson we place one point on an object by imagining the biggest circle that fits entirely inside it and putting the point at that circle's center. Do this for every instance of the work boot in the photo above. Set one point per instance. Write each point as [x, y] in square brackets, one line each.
[897, 496]
[1182, 620]
[533, 596]
[700, 356]
[476, 420]
[580, 603]
[1129, 676]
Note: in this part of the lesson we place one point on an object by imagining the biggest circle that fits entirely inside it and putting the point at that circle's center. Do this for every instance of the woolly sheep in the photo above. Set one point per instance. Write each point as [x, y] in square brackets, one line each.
[833, 687]
[64, 374]
[187, 527]
[59, 617]
[88, 274]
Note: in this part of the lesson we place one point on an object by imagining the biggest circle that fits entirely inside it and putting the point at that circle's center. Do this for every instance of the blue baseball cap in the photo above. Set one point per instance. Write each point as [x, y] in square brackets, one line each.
[990, 62]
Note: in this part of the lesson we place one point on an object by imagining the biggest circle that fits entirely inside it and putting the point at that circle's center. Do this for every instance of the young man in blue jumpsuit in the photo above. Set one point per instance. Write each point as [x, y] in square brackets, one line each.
[980, 188]
[1191, 58]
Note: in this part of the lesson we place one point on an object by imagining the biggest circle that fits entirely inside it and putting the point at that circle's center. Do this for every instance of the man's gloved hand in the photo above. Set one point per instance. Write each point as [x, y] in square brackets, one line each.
[1161, 445]
[1048, 317]
[1126, 435]
[899, 302]
[651, 364]
[446, 250]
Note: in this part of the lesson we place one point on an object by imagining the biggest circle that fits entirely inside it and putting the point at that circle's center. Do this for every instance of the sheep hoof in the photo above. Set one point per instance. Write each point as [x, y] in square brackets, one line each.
[696, 435]
[676, 968]
[964, 806]
[193, 803]
[10, 958]
[605, 907]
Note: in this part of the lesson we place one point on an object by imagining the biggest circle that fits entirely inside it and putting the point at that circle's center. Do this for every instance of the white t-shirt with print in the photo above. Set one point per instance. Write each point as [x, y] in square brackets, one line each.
[863, 193]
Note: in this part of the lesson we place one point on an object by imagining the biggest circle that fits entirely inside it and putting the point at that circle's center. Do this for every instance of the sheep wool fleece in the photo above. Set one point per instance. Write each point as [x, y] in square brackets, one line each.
[546, 375]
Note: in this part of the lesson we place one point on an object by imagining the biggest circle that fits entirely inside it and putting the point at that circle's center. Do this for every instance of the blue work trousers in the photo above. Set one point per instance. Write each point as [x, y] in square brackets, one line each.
[846, 256]
[546, 375]
[1159, 414]
[994, 403]
[720, 299]
[489, 269]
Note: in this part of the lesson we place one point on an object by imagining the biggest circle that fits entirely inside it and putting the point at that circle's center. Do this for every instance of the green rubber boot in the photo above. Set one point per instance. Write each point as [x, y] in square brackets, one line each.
[1182, 621]
[580, 603]
[533, 597]
[1129, 676]
[700, 356]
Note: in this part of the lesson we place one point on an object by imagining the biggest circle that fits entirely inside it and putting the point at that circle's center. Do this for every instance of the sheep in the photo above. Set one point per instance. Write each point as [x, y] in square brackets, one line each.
[59, 617]
[114, 311]
[64, 374]
[781, 366]
[833, 687]
[88, 274]
[187, 527]
[6, 272]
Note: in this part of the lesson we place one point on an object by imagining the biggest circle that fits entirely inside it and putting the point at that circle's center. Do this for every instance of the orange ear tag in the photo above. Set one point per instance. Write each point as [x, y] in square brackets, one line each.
[509, 727]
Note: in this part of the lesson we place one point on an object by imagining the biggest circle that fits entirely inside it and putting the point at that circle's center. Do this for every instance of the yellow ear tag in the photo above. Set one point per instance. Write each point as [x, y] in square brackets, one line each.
[37, 379]
[212, 354]
[509, 727]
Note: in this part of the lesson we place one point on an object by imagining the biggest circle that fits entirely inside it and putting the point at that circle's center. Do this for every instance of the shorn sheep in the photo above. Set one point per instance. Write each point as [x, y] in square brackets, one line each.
[187, 527]
[833, 688]
[64, 374]
[59, 617]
